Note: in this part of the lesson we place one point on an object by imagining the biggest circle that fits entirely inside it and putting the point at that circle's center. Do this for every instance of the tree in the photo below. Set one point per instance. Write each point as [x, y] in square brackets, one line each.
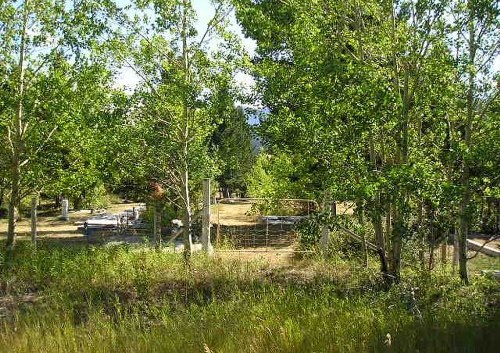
[232, 143]
[181, 75]
[352, 89]
[477, 29]
[33, 35]
[79, 160]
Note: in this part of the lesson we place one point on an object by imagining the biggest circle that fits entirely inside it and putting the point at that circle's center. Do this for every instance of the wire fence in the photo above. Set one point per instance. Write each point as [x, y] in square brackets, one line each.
[256, 236]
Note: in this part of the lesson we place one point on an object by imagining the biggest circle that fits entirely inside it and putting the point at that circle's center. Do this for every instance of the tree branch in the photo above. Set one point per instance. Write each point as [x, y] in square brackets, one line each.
[42, 145]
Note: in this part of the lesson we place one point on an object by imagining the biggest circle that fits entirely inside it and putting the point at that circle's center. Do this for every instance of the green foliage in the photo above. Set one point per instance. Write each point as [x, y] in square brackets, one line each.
[232, 141]
[276, 177]
[96, 198]
[82, 154]
[369, 103]
[309, 230]
[340, 245]
[58, 88]
[186, 91]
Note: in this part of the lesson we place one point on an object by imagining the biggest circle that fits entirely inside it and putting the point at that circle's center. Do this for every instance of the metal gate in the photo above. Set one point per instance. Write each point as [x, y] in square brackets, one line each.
[241, 224]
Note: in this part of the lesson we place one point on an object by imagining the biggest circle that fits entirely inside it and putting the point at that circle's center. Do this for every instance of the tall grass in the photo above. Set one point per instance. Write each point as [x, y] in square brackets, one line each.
[132, 300]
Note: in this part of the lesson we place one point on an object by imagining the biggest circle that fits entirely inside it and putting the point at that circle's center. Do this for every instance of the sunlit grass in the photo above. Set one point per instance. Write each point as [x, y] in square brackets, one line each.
[131, 300]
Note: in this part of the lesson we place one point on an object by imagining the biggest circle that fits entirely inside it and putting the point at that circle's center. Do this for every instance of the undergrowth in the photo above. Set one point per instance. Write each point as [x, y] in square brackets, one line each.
[125, 299]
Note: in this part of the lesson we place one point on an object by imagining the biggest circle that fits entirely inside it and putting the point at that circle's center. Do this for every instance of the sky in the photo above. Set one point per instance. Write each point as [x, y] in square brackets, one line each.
[127, 79]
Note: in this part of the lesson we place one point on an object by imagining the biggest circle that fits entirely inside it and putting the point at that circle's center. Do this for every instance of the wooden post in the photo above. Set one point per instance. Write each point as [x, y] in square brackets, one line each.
[218, 227]
[34, 204]
[267, 230]
[325, 231]
[157, 224]
[205, 232]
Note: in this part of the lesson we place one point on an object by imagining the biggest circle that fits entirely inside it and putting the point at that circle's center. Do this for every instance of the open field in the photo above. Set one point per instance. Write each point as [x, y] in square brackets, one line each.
[52, 229]
[232, 214]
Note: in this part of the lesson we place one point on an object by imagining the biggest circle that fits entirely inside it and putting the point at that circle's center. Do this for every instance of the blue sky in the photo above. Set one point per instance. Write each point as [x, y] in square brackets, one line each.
[203, 7]
[205, 11]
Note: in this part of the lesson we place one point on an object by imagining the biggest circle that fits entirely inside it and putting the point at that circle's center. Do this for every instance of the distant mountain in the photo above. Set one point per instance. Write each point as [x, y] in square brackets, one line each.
[254, 116]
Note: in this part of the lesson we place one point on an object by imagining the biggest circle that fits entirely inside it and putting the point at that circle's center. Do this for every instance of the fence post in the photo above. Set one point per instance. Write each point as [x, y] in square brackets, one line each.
[205, 232]
[65, 210]
[157, 224]
[267, 231]
[325, 231]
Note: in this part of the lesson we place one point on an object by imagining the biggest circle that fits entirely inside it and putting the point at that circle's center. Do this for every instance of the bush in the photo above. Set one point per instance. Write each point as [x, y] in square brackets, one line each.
[96, 198]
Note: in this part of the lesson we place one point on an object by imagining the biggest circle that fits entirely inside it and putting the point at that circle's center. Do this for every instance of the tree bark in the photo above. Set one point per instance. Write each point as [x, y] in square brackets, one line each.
[34, 230]
[205, 237]
[188, 242]
[16, 138]
[397, 236]
[375, 215]
[464, 220]
[444, 251]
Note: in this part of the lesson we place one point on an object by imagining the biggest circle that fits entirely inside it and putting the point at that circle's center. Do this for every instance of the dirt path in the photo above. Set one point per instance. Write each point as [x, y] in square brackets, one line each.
[495, 244]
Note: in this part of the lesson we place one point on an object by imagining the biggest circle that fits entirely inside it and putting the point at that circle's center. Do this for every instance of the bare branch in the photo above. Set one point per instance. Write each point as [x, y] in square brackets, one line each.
[150, 85]
[214, 21]
[41, 65]
[9, 138]
[42, 145]
[491, 55]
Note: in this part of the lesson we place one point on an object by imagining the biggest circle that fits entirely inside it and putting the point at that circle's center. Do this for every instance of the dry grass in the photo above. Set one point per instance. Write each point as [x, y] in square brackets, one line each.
[234, 214]
[272, 256]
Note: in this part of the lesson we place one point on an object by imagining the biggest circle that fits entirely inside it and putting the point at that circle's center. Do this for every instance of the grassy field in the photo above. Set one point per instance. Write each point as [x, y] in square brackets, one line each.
[130, 299]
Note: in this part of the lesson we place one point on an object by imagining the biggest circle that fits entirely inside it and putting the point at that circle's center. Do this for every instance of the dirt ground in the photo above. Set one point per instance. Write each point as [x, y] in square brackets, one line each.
[241, 213]
[232, 214]
[495, 244]
[51, 227]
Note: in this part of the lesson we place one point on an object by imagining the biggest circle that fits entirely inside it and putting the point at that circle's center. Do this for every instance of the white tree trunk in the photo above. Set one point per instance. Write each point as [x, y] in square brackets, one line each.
[16, 137]
[205, 235]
